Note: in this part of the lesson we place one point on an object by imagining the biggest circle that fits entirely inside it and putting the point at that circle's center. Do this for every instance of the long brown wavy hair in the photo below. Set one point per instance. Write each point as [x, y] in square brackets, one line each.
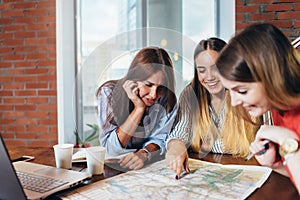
[262, 53]
[147, 61]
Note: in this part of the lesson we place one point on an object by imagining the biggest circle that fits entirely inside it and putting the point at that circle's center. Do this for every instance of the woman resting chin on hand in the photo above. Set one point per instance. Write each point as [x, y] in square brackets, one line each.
[137, 111]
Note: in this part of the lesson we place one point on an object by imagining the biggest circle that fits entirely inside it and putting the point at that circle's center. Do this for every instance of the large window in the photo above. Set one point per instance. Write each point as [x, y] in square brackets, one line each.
[107, 35]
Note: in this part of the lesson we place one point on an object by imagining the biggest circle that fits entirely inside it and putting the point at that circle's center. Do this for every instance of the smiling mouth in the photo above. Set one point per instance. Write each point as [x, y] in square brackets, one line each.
[151, 101]
[249, 108]
[211, 83]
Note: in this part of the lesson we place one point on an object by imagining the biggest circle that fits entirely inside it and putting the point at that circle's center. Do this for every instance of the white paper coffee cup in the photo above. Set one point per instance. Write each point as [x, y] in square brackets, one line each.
[95, 157]
[63, 155]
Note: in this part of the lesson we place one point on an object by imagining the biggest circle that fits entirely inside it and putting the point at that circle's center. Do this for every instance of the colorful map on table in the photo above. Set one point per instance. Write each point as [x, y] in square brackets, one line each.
[157, 181]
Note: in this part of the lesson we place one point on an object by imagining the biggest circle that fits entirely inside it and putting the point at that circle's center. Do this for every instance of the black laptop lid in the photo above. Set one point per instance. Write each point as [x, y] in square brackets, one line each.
[10, 187]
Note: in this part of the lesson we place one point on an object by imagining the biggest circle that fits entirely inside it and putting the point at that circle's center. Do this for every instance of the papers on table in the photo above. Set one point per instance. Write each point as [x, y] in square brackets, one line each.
[156, 181]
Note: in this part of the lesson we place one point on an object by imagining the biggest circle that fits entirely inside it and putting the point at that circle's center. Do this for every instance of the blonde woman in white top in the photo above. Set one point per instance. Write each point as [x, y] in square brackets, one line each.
[205, 121]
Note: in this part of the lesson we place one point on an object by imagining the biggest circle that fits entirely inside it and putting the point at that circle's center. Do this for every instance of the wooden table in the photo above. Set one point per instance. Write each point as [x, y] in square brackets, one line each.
[276, 187]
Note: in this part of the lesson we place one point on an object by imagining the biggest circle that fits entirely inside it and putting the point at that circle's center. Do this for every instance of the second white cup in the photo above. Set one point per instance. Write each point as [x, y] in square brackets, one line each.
[95, 157]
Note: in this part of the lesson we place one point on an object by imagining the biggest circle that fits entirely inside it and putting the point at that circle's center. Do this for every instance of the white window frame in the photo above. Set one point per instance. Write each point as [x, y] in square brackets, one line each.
[65, 59]
[226, 19]
[65, 69]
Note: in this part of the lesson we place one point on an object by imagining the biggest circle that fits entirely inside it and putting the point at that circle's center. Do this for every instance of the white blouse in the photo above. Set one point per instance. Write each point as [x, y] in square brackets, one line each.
[183, 129]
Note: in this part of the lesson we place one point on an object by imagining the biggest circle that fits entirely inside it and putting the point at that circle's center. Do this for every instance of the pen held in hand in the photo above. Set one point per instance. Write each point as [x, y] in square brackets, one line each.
[265, 148]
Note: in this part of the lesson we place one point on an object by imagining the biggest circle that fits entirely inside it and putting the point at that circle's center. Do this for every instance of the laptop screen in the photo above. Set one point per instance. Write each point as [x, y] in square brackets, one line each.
[10, 186]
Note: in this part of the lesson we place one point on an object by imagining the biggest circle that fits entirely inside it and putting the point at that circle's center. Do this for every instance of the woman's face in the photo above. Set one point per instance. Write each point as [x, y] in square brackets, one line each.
[250, 95]
[152, 88]
[207, 71]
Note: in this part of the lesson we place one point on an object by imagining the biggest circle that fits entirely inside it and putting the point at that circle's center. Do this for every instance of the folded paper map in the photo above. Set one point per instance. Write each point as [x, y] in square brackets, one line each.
[206, 181]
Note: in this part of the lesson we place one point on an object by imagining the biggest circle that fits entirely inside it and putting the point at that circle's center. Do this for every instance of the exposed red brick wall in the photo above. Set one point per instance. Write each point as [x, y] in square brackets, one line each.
[284, 14]
[28, 72]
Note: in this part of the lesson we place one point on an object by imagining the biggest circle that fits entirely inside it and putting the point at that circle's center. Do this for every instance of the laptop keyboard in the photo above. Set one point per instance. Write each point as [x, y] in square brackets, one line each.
[37, 183]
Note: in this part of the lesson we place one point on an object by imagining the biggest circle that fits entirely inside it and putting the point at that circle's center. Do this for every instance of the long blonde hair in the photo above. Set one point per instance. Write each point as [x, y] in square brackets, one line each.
[236, 133]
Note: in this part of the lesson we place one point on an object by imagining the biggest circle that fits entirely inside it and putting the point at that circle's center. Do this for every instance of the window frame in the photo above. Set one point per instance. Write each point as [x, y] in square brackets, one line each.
[66, 59]
[65, 69]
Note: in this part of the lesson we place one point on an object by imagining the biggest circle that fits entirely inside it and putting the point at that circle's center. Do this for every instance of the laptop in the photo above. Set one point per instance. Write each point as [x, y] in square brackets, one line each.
[13, 178]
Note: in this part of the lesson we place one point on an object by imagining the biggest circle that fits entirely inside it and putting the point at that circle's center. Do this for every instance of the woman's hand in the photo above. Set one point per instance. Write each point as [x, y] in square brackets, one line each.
[177, 157]
[132, 90]
[135, 160]
[276, 135]
[265, 156]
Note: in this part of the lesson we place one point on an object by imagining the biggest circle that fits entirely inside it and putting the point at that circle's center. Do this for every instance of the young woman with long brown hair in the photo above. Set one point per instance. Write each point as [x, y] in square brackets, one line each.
[137, 112]
[261, 69]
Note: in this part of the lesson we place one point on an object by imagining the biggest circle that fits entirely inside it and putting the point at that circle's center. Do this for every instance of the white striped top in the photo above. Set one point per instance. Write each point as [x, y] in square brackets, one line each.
[183, 130]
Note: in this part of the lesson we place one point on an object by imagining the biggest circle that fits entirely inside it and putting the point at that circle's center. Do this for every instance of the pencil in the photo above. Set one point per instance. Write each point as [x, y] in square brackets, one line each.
[249, 156]
[265, 148]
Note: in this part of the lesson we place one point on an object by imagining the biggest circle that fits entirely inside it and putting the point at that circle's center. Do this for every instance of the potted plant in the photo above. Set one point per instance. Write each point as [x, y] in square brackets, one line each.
[91, 139]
